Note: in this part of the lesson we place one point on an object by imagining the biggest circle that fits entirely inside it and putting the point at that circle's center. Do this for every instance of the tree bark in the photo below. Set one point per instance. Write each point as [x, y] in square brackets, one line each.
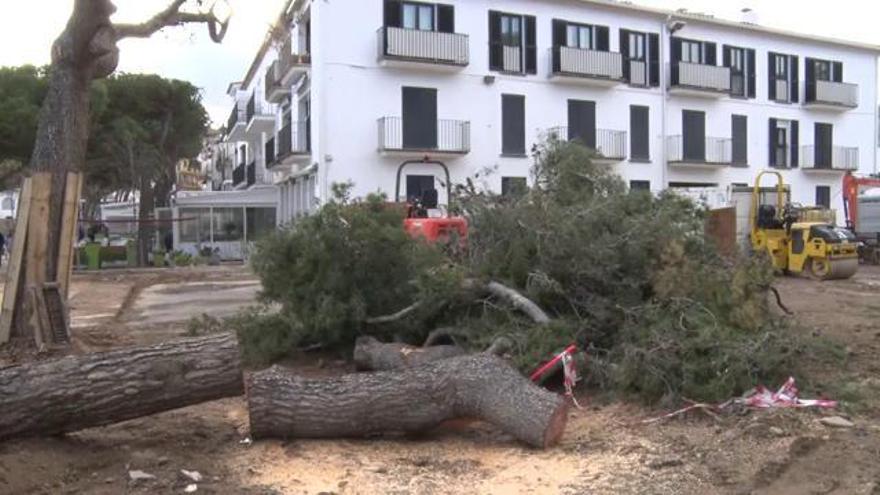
[76, 392]
[145, 228]
[372, 355]
[411, 400]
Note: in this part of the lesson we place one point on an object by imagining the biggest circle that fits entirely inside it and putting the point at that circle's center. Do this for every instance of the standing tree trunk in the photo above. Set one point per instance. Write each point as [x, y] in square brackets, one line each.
[145, 228]
[405, 401]
[77, 392]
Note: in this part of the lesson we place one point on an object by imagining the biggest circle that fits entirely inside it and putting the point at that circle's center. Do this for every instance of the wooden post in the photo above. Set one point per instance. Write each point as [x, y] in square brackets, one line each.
[13, 275]
[67, 240]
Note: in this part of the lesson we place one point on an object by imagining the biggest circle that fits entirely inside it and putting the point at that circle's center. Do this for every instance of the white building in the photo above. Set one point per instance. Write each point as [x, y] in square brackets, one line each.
[348, 90]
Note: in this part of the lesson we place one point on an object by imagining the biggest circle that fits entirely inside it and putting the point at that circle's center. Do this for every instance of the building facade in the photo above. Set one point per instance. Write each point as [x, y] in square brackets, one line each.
[347, 91]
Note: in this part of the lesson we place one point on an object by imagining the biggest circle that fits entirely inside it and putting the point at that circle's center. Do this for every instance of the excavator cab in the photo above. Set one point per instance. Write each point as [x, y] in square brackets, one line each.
[420, 223]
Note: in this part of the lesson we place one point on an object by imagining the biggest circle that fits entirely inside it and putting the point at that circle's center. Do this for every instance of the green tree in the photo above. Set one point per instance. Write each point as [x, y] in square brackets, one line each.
[22, 90]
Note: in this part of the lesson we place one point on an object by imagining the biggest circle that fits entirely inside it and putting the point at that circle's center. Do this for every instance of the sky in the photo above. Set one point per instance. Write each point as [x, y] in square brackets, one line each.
[27, 30]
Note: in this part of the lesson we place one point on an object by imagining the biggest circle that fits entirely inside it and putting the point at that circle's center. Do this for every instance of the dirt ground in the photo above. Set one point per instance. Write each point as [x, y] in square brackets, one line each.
[607, 447]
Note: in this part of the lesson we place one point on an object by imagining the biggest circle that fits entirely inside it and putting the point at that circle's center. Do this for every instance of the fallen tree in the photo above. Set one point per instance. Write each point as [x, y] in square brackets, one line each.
[77, 392]
[372, 355]
[410, 400]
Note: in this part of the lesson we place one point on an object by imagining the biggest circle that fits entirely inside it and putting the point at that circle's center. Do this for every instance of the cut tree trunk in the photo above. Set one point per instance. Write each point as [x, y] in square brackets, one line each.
[406, 401]
[372, 355]
[76, 392]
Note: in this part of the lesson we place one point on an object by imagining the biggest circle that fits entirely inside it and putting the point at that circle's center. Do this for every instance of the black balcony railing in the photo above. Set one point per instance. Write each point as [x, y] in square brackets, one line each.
[607, 143]
[270, 151]
[700, 76]
[238, 175]
[251, 107]
[445, 136]
[587, 63]
[294, 139]
[235, 117]
[252, 173]
[423, 46]
[834, 158]
[271, 80]
[832, 93]
[711, 150]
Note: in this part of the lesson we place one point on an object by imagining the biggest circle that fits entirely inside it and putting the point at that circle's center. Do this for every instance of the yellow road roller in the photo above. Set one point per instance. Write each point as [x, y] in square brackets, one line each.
[801, 239]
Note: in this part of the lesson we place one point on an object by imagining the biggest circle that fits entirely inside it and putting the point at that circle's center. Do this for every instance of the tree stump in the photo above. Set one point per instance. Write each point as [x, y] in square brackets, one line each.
[76, 392]
[372, 355]
[405, 401]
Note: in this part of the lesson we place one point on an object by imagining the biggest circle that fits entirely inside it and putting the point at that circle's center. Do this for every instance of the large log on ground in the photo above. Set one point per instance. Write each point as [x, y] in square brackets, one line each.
[410, 400]
[77, 392]
[372, 355]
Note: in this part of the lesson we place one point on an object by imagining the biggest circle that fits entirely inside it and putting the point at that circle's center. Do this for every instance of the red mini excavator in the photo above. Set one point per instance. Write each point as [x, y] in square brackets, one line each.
[424, 219]
[862, 213]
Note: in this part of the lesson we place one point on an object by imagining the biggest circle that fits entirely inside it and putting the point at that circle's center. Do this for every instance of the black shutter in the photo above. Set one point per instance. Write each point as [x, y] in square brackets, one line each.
[771, 76]
[496, 52]
[419, 118]
[624, 52]
[823, 196]
[809, 79]
[639, 145]
[740, 135]
[750, 71]
[559, 39]
[772, 141]
[725, 56]
[445, 18]
[794, 144]
[694, 135]
[837, 71]
[654, 59]
[602, 43]
[675, 50]
[531, 45]
[824, 144]
[582, 122]
[795, 84]
[711, 53]
[513, 127]
[392, 13]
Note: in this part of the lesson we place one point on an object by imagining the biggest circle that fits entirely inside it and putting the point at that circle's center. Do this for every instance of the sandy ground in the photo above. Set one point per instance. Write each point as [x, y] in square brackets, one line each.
[607, 448]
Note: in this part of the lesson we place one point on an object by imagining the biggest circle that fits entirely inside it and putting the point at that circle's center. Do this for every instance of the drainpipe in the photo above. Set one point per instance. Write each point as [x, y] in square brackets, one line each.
[664, 95]
[876, 113]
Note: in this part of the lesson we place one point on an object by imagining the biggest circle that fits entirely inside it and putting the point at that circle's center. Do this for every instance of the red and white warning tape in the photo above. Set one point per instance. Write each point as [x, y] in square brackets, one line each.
[569, 371]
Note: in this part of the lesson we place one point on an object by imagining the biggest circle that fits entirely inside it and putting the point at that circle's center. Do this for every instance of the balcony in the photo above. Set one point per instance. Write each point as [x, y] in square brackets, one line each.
[708, 81]
[434, 50]
[238, 175]
[828, 95]
[294, 145]
[443, 137]
[259, 118]
[269, 151]
[824, 160]
[275, 91]
[252, 173]
[591, 67]
[710, 152]
[610, 146]
[291, 66]
[235, 125]
[638, 72]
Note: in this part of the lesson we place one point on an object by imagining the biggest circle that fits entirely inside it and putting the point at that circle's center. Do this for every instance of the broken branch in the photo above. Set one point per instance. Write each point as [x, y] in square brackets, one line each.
[172, 16]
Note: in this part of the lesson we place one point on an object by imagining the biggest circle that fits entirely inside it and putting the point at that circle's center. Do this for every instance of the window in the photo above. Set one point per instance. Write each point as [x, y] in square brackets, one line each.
[228, 224]
[783, 143]
[823, 196]
[641, 57]
[512, 43]
[691, 52]
[740, 140]
[513, 127]
[8, 203]
[417, 185]
[639, 185]
[415, 15]
[582, 122]
[783, 77]
[513, 186]
[693, 125]
[636, 44]
[820, 70]
[260, 222]
[195, 225]
[741, 62]
[823, 145]
[639, 145]
[418, 16]
[580, 37]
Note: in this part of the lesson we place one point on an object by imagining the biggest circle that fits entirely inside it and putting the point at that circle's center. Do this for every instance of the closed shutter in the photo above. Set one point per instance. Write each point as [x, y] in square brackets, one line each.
[624, 52]
[824, 143]
[531, 45]
[496, 52]
[823, 196]
[602, 43]
[694, 135]
[810, 78]
[711, 53]
[725, 56]
[771, 76]
[419, 118]
[794, 143]
[392, 13]
[639, 147]
[513, 127]
[675, 57]
[654, 58]
[750, 71]
[772, 141]
[446, 18]
[559, 40]
[795, 84]
[582, 122]
[740, 140]
[837, 71]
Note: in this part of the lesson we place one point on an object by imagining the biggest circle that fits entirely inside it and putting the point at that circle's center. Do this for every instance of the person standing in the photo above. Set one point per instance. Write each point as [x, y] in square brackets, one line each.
[2, 247]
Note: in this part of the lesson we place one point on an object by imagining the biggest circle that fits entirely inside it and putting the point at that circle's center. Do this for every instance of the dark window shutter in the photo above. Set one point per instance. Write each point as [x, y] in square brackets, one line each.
[624, 51]
[693, 139]
[771, 76]
[513, 127]
[392, 13]
[794, 143]
[772, 141]
[837, 71]
[496, 53]
[711, 53]
[675, 50]
[531, 45]
[823, 196]
[809, 79]
[582, 122]
[639, 145]
[725, 56]
[602, 43]
[559, 39]
[740, 136]
[654, 57]
[750, 71]
[446, 18]
[795, 84]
